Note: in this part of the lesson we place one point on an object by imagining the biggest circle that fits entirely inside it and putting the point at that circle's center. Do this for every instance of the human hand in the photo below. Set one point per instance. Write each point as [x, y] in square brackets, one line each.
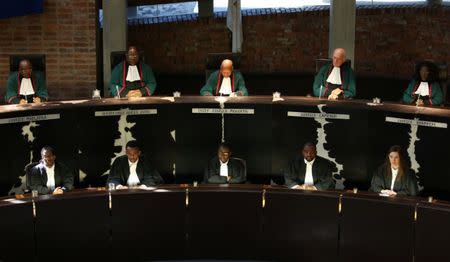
[388, 192]
[58, 191]
[134, 93]
[332, 97]
[313, 188]
[337, 91]
[121, 187]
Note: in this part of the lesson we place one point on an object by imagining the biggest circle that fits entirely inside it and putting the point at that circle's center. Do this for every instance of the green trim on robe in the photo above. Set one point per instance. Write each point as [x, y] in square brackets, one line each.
[436, 93]
[210, 87]
[12, 97]
[349, 81]
[147, 75]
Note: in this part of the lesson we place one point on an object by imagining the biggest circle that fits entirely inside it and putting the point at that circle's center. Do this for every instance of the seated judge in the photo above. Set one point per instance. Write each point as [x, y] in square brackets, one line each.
[50, 176]
[132, 77]
[309, 171]
[423, 88]
[335, 80]
[26, 86]
[225, 82]
[133, 169]
[393, 177]
[223, 168]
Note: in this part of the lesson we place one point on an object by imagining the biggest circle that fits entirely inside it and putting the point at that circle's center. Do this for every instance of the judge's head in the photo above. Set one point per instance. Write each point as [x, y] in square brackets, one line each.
[338, 57]
[48, 156]
[224, 152]
[395, 157]
[226, 68]
[133, 151]
[309, 151]
[25, 68]
[425, 71]
[132, 55]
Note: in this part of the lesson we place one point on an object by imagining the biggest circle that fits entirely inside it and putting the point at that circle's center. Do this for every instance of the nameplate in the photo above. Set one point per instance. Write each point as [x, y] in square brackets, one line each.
[29, 119]
[415, 121]
[318, 115]
[127, 112]
[233, 111]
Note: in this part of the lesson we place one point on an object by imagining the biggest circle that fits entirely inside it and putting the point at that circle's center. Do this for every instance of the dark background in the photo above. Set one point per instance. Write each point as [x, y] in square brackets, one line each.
[267, 140]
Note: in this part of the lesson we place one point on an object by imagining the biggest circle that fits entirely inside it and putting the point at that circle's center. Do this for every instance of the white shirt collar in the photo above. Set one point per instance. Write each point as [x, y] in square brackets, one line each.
[26, 87]
[335, 76]
[48, 168]
[310, 162]
[133, 74]
[131, 163]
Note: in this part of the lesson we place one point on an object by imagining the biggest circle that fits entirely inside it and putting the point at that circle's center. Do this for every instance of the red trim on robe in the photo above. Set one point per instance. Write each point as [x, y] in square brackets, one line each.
[342, 81]
[218, 83]
[124, 80]
[430, 90]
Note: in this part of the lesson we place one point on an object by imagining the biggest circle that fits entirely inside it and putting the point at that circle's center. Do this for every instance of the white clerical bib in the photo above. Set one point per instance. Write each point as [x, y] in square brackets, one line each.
[335, 76]
[423, 89]
[133, 74]
[133, 178]
[50, 176]
[309, 180]
[26, 87]
[223, 169]
[394, 176]
[225, 88]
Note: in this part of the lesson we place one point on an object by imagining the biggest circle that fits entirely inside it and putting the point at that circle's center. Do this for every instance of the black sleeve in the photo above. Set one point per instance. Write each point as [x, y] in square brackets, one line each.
[115, 175]
[239, 176]
[377, 183]
[290, 175]
[326, 181]
[151, 176]
[36, 182]
[410, 188]
[67, 177]
[212, 176]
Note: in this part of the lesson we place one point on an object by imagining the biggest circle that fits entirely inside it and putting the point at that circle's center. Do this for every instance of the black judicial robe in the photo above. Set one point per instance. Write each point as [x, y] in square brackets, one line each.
[321, 171]
[38, 178]
[236, 170]
[407, 185]
[120, 171]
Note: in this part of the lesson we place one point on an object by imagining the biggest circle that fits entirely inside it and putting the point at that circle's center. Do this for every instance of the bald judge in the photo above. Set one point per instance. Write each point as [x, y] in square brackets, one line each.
[225, 82]
[132, 77]
[335, 80]
[25, 86]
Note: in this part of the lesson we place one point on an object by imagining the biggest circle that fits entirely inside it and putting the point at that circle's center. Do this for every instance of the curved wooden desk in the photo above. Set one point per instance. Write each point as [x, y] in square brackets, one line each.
[223, 222]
